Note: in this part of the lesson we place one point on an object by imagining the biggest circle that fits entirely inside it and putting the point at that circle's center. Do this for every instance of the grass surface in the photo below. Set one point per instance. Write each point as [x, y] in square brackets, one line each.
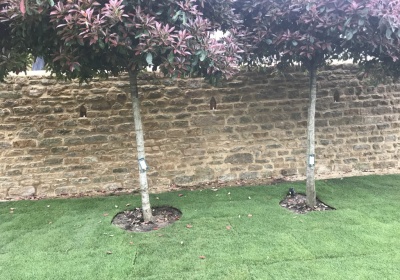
[73, 238]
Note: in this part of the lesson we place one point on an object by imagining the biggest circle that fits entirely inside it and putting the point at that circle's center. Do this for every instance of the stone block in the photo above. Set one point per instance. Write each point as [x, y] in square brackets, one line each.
[289, 172]
[120, 170]
[10, 95]
[5, 145]
[21, 191]
[28, 132]
[4, 112]
[204, 174]
[95, 139]
[73, 141]
[14, 172]
[248, 175]
[361, 147]
[208, 120]
[50, 142]
[65, 190]
[183, 180]
[239, 158]
[53, 161]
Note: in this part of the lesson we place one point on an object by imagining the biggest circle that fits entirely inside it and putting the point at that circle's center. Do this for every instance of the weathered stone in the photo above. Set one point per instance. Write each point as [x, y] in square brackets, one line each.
[13, 172]
[4, 112]
[184, 180]
[231, 98]
[28, 132]
[239, 158]
[10, 95]
[157, 134]
[24, 143]
[80, 181]
[204, 174]
[248, 175]
[73, 141]
[361, 147]
[120, 170]
[22, 191]
[125, 127]
[66, 190]
[5, 145]
[53, 161]
[95, 139]
[50, 142]
[23, 110]
[208, 120]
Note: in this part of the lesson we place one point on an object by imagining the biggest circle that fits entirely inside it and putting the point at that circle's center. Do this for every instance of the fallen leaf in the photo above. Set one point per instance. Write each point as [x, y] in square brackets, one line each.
[202, 257]
[116, 206]
[111, 235]
[189, 226]
[48, 206]
[128, 204]
[249, 215]
[249, 197]
[131, 243]
[109, 252]
[180, 195]
[228, 227]
[105, 214]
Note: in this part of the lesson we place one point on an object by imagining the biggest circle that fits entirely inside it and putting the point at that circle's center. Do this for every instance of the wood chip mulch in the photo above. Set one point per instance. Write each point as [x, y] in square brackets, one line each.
[132, 220]
[297, 204]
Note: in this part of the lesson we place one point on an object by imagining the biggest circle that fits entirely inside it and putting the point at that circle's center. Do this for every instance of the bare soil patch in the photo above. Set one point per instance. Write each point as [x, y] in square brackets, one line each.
[132, 220]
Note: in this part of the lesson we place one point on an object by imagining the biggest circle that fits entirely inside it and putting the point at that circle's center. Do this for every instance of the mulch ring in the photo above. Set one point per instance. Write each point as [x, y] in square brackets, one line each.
[297, 204]
[132, 220]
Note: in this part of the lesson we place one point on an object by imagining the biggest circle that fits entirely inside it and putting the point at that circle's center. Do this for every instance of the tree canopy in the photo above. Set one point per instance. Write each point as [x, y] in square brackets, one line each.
[13, 55]
[312, 33]
[308, 31]
[86, 38]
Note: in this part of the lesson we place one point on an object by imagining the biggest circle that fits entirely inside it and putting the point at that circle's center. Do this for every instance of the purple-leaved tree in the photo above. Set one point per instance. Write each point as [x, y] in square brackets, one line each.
[13, 54]
[312, 33]
[86, 38]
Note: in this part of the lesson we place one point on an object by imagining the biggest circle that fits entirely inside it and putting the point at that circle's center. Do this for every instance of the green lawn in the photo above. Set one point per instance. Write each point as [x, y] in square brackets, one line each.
[73, 238]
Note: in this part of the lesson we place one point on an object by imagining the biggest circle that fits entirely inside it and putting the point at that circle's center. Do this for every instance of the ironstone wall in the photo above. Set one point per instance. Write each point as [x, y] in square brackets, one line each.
[257, 131]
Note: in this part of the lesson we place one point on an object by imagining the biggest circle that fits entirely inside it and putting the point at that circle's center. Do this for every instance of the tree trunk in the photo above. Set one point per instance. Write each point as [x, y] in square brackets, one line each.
[311, 199]
[144, 189]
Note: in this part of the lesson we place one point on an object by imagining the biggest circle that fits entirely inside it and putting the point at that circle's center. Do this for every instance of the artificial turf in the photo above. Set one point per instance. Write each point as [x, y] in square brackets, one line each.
[235, 233]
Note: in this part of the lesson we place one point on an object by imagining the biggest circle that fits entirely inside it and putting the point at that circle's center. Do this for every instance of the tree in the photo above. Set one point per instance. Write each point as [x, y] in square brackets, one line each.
[87, 38]
[13, 55]
[312, 33]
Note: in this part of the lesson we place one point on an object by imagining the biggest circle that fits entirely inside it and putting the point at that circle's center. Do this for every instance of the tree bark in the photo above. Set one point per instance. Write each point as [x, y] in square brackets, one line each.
[311, 198]
[144, 189]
